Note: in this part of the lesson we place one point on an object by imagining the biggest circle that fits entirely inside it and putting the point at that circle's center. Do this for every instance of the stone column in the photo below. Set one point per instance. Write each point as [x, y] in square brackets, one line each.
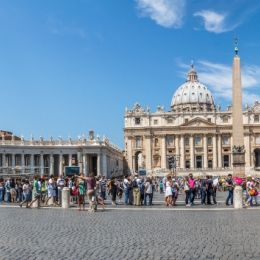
[3, 160]
[13, 160]
[231, 154]
[129, 153]
[51, 164]
[148, 153]
[163, 153]
[60, 164]
[32, 163]
[70, 159]
[205, 152]
[84, 164]
[177, 151]
[248, 151]
[104, 164]
[80, 161]
[219, 151]
[191, 152]
[98, 164]
[41, 164]
[22, 163]
[214, 142]
[182, 155]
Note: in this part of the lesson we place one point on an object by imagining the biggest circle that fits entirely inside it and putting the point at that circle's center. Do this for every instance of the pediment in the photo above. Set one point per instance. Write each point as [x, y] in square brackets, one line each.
[198, 122]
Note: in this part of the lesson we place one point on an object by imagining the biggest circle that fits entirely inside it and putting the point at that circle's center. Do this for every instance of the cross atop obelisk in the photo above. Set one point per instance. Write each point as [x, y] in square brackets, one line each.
[237, 113]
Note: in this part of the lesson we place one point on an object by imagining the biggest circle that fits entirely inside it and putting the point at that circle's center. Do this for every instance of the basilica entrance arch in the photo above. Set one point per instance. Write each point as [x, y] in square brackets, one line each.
[139, 161]
[257, 158]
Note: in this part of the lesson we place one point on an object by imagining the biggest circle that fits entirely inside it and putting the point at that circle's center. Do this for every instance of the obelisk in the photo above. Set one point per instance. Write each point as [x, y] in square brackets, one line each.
[237, 113]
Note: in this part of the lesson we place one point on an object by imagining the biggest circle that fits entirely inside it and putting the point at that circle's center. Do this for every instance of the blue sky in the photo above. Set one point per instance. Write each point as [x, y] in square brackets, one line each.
[67, 66]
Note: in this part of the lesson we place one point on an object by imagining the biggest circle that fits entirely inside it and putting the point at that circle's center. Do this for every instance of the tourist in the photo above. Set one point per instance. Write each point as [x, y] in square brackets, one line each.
[168, 191]
[203, 191]
[7, 190]
[161, 186]
[209, 189]
[120, 190]
[60, 185]
[51, 191]
[148, 192]
[1, 190]
[191, 183]
[26, 194]
[126, 185]
[230, 188]
[43, 189]
[175, 192]
[186, 190]
[136, 191]
[81, 192]
[91, 186]
[36, 192]
[113, 190]
[103, 187]
[142, 190]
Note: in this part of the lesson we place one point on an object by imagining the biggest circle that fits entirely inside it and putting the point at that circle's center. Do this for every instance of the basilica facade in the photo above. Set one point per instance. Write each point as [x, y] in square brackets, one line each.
[194, 136]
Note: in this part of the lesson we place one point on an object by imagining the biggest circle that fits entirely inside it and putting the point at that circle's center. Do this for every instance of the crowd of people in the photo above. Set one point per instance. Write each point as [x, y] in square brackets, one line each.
[137, 190]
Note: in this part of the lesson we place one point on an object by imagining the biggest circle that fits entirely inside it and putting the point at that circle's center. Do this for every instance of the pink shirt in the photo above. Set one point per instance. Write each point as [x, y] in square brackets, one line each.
[191, 183]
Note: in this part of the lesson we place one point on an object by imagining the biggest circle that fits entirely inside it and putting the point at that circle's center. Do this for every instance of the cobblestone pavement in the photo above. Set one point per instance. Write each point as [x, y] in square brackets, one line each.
[129, 234]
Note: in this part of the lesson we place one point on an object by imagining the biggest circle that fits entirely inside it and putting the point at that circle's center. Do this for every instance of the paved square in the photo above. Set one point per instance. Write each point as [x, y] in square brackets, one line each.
[152, 233]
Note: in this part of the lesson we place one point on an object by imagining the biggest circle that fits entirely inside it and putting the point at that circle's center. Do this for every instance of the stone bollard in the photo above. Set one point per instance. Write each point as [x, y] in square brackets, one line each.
[65, 203]
[238, 197]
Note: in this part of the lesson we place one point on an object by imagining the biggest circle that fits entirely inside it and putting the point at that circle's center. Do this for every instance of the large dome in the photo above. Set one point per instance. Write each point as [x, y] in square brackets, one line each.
[192, 94]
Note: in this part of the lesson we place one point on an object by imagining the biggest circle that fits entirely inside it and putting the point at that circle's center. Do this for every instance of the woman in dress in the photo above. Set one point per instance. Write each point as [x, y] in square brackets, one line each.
[81, 191]
[168, 191]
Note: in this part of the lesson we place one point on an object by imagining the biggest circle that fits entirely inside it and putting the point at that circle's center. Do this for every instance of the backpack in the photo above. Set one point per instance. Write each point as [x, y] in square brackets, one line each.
[135, 184]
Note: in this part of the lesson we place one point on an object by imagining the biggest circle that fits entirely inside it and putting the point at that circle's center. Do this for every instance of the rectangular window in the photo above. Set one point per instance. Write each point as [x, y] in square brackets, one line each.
[155, 122]
[210, 164]
[209, 120]
[257, 139]
[186, 120]
[169, 121]
[138, 142]
[210, 141]
[170, 140]
[226, 161]
[256, 118]
[197, 141]
[225, 119]
[187, 164]
[187, 141]
[225, 140]
[137, 121]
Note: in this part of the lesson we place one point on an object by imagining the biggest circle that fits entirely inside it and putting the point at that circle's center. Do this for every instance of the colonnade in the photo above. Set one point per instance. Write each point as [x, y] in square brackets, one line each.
[52, 163]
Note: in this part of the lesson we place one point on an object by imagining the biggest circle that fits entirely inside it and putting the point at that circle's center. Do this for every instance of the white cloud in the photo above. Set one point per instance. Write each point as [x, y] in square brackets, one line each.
[218, 77]
[215, 22]
[167, 13]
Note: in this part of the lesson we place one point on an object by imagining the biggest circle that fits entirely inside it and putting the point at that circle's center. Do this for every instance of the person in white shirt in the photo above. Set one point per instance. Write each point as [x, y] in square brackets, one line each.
[148, 192]
[60, 185]
[126, 189]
